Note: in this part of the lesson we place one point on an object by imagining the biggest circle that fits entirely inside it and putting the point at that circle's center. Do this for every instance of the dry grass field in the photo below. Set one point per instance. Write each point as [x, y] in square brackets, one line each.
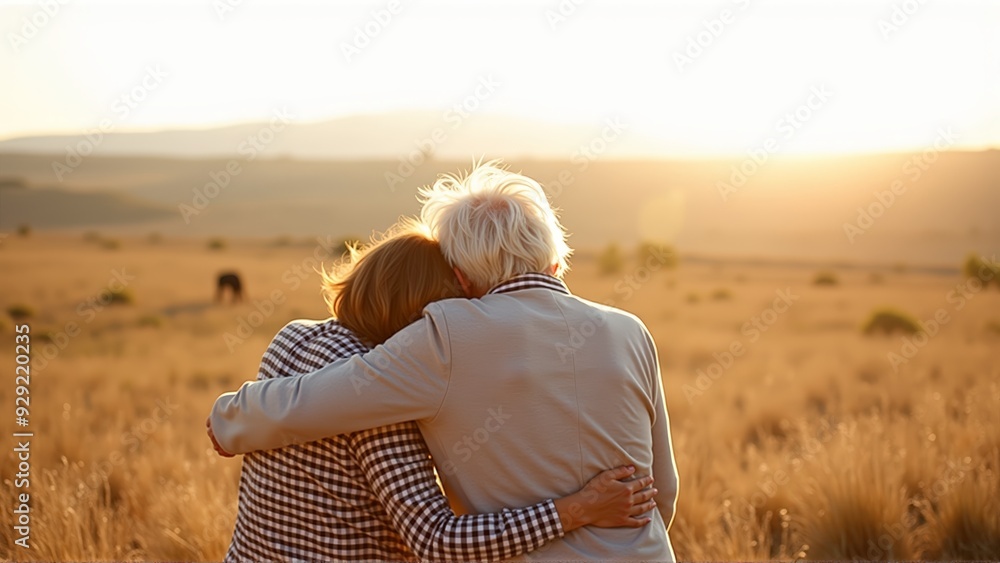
[795, 435]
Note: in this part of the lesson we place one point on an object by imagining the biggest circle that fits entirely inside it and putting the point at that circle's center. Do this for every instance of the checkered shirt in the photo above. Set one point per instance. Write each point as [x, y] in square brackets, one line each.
[531, 281]
[369, 495]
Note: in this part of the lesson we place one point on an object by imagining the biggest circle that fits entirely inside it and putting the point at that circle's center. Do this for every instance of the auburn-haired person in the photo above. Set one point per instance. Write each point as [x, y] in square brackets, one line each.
[367, 292]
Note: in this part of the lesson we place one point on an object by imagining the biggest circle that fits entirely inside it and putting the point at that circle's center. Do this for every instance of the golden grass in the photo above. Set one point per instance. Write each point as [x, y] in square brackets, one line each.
[808, 444]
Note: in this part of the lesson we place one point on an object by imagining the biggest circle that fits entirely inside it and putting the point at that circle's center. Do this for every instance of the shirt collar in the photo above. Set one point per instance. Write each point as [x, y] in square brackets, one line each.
[531, 281]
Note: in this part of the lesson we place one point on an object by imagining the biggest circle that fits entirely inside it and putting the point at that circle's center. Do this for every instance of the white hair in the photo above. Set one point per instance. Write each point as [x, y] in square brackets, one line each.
[494, 224]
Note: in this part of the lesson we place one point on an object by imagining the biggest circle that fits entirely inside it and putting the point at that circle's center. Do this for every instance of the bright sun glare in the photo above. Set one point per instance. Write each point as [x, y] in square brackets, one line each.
[693, 78]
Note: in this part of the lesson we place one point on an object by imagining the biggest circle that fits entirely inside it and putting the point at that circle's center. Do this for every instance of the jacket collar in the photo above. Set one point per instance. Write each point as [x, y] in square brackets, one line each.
[531, 281]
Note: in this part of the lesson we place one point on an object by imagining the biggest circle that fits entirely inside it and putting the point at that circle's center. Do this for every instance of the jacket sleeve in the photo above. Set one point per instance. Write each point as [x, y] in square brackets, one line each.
[664, 466]
[397, 464]
[403, 379]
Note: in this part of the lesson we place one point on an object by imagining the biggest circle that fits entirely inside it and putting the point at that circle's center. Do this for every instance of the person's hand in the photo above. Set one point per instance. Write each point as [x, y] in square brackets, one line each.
[612, 499]
[215, 443]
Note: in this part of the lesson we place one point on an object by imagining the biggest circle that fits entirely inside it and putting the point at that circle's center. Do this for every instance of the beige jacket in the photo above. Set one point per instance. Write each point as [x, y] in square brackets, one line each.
[520, 396]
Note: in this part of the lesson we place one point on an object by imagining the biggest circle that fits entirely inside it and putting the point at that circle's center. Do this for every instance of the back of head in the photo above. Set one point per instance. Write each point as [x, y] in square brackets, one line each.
[494, 224]
[385, 286]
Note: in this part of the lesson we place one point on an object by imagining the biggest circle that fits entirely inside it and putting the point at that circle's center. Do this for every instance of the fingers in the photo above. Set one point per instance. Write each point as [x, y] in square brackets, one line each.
[636, 522]
[618, 473]
[639, 484]
[643, 508]
[643, 496]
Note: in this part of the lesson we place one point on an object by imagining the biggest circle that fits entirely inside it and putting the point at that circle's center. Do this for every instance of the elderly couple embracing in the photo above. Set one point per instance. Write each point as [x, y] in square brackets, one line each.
[447, 350]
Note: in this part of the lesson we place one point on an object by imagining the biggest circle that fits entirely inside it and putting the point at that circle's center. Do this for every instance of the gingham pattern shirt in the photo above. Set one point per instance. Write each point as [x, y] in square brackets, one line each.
[369, 495]
[531, 281]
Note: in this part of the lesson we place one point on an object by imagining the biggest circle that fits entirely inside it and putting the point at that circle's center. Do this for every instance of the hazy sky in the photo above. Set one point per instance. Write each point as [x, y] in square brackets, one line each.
[707, 76]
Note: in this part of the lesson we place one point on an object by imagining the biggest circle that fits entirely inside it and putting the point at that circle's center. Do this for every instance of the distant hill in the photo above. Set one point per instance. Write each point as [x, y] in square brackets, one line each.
[54, 208]
[382, 136]
[791, 208]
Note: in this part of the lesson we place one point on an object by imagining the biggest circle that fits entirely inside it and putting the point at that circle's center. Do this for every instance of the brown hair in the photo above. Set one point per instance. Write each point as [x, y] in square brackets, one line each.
[381, 288]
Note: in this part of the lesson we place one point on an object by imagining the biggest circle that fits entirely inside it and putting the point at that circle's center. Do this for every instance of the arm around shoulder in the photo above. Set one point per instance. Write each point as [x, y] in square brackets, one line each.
[403, 379]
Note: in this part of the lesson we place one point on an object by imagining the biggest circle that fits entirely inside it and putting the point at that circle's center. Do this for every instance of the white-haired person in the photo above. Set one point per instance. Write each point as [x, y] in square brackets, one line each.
[373, 494]
[512, 404]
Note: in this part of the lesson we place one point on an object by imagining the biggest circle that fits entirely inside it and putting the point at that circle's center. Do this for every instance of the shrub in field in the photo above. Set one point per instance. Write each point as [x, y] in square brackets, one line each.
[976, 267]
[651, 255]
[722, 294]
[24, 230]
[826, 278]
[217, 243]
[888, 321]
[120, 297]
[154, 238]
[20, 312]
[610, 261]
[111, 244]
[154, 321]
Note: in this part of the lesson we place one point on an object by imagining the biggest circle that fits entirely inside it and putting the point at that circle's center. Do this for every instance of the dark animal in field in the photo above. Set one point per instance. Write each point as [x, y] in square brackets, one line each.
[230, 280]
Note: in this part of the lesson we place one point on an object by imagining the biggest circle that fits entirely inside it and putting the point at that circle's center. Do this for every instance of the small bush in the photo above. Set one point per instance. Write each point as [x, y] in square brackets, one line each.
[111, 244]
[153, 321]
[987, 272]
[154, 238]
[20, 312]
[876, 278]
[653, 255]
[217, 243]
[120, 297]
[993, 327]
[91, 236]
[721, 294]
[610, 261]
[282, 241]
[11, 182]
[24, 230]
[888, 321]
[692, 298]
[826, 278]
